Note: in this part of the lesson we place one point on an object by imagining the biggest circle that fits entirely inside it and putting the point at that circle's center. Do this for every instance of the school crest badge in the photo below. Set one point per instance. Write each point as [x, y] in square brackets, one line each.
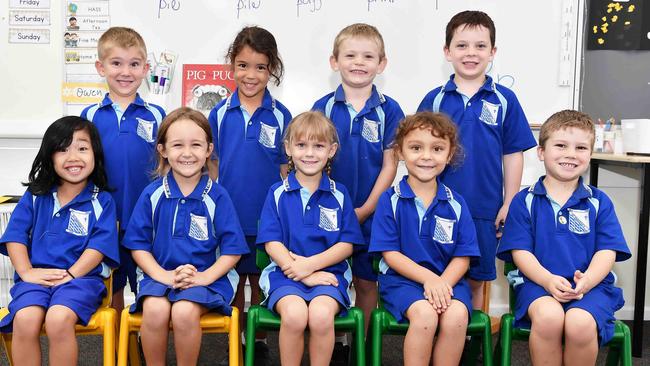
[489, 113]
[198, 227]
[444, 230]
[579, 221]
[78, 222]
[328, 219]
[370, 130]
[267, 135]
[145, 129]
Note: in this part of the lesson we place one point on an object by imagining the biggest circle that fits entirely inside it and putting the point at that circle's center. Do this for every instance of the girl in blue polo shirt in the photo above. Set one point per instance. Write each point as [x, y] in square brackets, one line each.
[186, 239]
[425, 234]
[59, 234]
[247, 129]
[564, 237]
[308, 228]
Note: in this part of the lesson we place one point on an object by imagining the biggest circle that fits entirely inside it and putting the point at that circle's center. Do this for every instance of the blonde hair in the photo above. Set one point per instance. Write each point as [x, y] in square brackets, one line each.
[120, 37]
[564, 119]
[162, 166]
[311, 125]
[360, 30]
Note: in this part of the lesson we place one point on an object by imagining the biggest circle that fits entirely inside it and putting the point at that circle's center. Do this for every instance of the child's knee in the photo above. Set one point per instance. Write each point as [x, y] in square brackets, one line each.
[29, 321]
[579, 327]
[294, 316]
[321, 318]
[455, 318]
[59, 321]
[156, 313]
[547, 317]
[185, 315]
[422, 317]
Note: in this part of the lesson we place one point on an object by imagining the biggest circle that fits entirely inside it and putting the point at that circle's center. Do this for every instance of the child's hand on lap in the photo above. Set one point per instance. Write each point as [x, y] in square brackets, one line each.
[583, 284]
[559, 288]
[183, 275]
[44, 276]
[321, 278]
[299, 269]
[438, 293]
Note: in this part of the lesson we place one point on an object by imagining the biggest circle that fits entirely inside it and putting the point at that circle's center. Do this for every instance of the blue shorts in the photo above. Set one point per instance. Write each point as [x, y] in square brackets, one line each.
[307, 294]
[484, 268]
[361, 259]
[399, 293]
[247, 264]
[601, 302]
[202, 295]
[81, 295]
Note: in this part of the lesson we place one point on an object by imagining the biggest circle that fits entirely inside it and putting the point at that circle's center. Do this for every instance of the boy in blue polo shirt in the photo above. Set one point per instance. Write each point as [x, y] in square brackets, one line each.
[494, 133]
[365, 121]
[564, 237]
[128, 127]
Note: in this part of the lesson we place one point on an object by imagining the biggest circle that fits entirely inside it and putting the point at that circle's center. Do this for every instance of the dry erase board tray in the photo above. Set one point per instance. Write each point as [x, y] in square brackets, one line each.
[637, 154]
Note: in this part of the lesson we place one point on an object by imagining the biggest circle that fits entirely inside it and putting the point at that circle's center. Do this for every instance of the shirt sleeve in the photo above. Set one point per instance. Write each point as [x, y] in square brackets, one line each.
[282, 156]
[385, 233]
[350, 228]
[20, 224]
[466, 241]
[427, 102]
[517, 231]
[270, 226]
[394, 115]
[609, 234]
[104, 235]
[139, 233]
[227, 228]
[517, 135]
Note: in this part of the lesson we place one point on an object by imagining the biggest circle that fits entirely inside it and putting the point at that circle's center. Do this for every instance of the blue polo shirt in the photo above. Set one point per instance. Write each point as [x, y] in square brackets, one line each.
[563, 239]
[430, 236]
[129, 143]
[363, 137]
[309, 223]
[250, 152]
[56, 236]
[485, 135]
[178, 229]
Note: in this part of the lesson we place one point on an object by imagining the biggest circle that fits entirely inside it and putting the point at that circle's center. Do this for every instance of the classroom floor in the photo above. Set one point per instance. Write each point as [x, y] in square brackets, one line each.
[213, 345]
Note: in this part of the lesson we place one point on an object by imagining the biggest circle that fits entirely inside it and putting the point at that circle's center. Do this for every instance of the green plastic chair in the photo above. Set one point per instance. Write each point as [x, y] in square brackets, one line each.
[261, 318]
[382, 322]
[620, 346]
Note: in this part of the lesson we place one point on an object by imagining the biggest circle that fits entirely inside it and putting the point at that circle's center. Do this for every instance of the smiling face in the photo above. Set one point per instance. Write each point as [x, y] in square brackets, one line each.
[470, 52]
[309, 155]
[566, 154]
[124, 70]
[251, 74]
[75, 163]
[186, 150]
[424, 155]
[358, 61]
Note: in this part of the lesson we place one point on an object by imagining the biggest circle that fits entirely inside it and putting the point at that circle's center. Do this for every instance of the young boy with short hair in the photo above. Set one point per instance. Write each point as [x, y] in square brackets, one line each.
[494, 132]
[128, 128]
[564, 237]
[366, 121]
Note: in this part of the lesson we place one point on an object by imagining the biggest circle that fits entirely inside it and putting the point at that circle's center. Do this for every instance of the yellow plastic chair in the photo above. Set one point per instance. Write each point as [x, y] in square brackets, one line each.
[102, 322]
[210, 323]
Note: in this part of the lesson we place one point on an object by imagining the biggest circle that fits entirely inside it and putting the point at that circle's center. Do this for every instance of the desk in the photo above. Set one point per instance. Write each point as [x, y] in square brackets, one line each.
[642, 162]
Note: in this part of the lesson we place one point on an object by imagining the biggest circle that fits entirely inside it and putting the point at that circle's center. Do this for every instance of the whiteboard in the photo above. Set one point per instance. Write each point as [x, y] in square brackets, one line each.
[536, 45]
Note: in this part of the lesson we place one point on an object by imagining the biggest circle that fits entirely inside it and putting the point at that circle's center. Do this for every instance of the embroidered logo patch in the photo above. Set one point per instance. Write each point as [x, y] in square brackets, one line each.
[328, 219]
[444, 231]
[579, 221]
[78, 222]
[267, 135]
[145, 129]
[489, 113]
[198, 227]
[370, 130]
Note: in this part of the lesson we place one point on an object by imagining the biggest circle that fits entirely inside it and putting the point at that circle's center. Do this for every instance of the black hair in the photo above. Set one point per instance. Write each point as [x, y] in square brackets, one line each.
[72, 18]
[57, 137]
[261, 41]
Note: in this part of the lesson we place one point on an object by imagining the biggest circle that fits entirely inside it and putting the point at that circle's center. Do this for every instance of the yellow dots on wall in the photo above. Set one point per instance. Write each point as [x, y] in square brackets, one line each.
[601, 41]
[614, 18]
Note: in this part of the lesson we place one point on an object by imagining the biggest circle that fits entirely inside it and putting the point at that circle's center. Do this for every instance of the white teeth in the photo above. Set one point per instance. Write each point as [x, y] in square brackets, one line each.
[74, 169]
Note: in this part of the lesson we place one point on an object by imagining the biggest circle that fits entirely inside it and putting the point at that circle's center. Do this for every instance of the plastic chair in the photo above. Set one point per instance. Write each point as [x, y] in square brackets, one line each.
[620, 346]
[102, 322]
[382, 322]
[261, 318]
[210, 323]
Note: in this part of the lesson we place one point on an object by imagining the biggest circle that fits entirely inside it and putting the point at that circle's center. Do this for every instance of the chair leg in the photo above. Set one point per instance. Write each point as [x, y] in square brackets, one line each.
[505, 339]
[487, 343]
[251, 328]
[109, 336]
[626, 349]
[123, 342]
[359, 337]
[376, 337]
[234, 343]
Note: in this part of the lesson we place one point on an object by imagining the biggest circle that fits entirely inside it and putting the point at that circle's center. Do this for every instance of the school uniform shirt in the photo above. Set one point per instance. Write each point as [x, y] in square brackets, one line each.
[307, 224]
[485, 135]
[129, 143]
[430, 236]
[55, 237]
[250, 152]
[195, 229]
[565, 239]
